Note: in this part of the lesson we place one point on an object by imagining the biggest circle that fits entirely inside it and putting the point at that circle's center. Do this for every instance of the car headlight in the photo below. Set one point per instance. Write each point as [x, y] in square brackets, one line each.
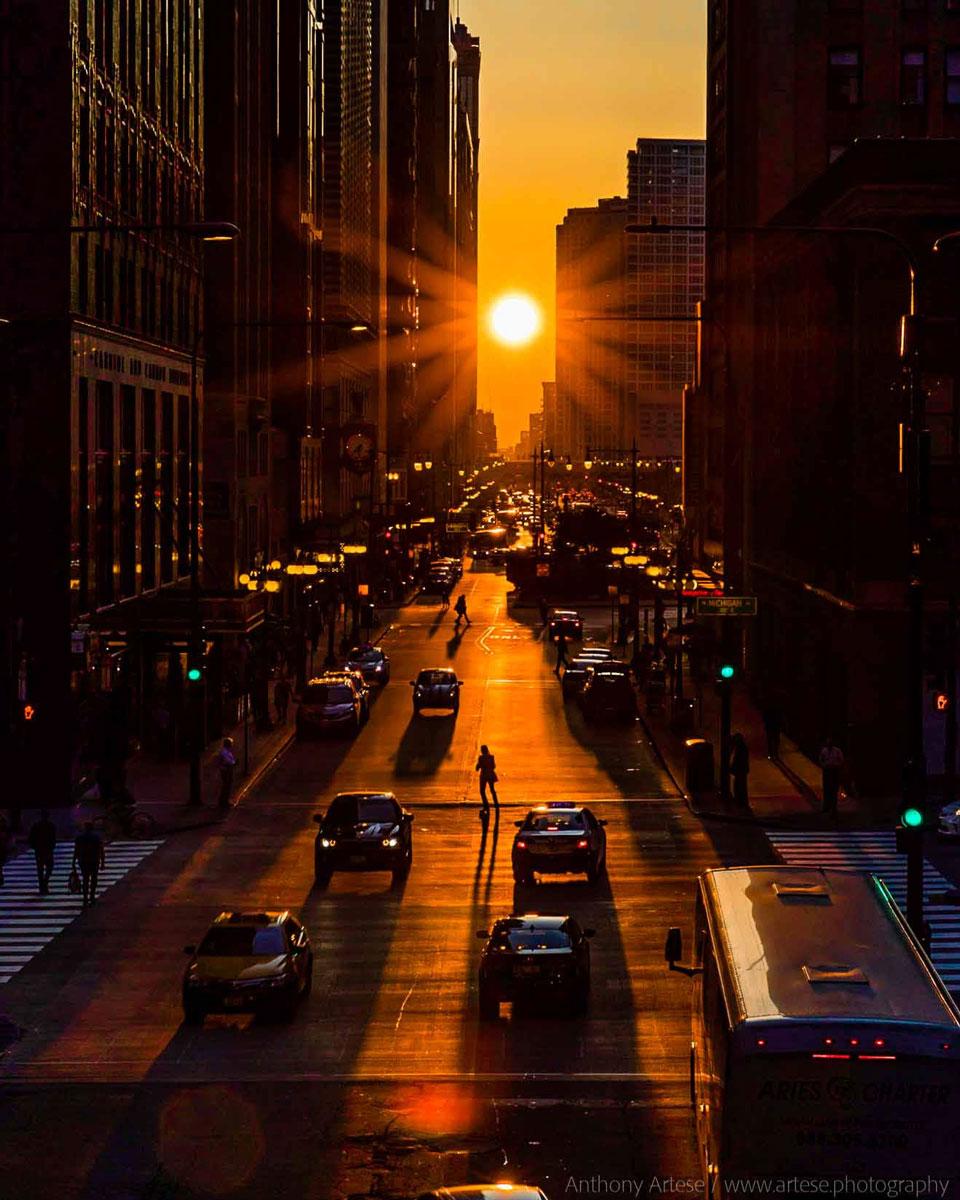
[194, 981]
[327, 843]
[392, 842]
[279, 980]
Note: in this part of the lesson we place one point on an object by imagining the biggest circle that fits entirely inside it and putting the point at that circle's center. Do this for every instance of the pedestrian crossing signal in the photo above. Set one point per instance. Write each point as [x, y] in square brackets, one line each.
[194, 674]
[911, 818]
[943, 701]
[29, 712]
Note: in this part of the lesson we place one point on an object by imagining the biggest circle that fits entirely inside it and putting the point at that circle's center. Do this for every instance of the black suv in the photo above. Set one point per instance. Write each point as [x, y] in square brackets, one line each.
[363, 831]
[536, 959]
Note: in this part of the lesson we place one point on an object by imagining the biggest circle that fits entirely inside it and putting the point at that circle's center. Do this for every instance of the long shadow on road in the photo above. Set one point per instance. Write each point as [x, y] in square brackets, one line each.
[424, 746]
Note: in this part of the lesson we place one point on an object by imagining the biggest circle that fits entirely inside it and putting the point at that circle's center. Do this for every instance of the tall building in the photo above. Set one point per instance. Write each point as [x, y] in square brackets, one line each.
[486, 435]
[549, 405]
[467, 166]
[101, 122]
[825, 115]
[592, 340]
[665, 181]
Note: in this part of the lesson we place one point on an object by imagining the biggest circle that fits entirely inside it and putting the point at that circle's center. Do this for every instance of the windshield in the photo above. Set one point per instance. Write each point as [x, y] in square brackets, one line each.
[525, 940]
[434, 678]
[243, 941]
[323, 693]
[549, 822]
[370, 655]
[377, 809]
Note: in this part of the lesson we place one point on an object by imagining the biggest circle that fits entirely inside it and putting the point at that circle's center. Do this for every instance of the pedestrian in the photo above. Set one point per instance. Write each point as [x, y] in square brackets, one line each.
[460, 608]
[561, 653]
[89, 858]
[5, 843]
[739, 767]
[831, 765]
[487, 766]
[544, 610]
[281, 699]
[227, 763]
[42, 840]
[772, 725]
[445, 596]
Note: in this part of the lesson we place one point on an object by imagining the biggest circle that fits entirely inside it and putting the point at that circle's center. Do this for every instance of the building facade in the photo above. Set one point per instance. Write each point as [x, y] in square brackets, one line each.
[102, 415]
[467, 166]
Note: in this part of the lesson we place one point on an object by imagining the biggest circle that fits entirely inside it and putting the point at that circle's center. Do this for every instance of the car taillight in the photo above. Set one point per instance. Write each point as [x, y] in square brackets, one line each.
[582, 844]
[521, 845]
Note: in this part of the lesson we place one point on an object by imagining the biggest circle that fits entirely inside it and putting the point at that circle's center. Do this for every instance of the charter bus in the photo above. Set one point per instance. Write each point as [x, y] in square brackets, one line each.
[825, 1045]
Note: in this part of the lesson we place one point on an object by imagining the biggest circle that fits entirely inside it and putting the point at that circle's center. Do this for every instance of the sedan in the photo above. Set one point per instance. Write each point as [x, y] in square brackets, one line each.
[537, 959]
[371, 662]
[608, 696]
[437, 687]
[567, 622]
[949, 823]
[578, 672]
[363, 831]
[248, 962]
[330, 702]
[560, 839]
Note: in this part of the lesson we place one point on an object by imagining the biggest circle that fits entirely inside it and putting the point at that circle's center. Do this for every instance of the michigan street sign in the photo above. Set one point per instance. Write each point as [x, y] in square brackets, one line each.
[726, 606]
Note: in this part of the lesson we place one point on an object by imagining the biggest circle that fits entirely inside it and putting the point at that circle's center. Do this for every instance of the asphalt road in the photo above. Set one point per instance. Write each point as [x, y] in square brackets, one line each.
[385, 1083]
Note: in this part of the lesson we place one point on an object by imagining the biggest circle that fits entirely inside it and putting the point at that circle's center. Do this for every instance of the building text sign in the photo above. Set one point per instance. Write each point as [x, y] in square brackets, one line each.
[726, 606]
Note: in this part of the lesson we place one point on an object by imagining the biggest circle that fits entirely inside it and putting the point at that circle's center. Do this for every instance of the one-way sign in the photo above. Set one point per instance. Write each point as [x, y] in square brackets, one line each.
[726, 606]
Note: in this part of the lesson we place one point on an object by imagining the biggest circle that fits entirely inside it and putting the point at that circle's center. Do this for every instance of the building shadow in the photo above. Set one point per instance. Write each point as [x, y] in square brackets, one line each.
[424, 745]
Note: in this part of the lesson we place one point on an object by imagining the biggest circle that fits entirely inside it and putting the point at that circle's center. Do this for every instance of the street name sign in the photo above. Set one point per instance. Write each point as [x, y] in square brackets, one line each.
[726, 606]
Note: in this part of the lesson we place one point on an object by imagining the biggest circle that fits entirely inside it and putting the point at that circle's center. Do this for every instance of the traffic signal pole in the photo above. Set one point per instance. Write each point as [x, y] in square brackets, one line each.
[723, 685]
[196, 686]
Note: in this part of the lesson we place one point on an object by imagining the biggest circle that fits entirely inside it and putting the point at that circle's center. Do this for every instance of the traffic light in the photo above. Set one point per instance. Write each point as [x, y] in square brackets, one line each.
[195, 674]
[727, 671]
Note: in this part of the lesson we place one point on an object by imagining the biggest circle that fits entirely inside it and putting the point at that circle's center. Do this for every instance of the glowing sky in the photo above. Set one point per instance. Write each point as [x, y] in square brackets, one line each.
[566, 88]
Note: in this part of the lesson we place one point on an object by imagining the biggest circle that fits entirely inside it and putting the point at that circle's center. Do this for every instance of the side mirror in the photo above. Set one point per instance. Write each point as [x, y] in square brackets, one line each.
[483, 934]
[459, 683]
[519, 824]
[413, 683]
[673, 949]
[589, 933]
[407, 816]
[602, 821]
[318, 818]
[191, 950]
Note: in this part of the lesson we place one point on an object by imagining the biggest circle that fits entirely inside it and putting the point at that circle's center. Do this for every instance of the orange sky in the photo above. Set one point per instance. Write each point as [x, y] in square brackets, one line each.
[566, 88]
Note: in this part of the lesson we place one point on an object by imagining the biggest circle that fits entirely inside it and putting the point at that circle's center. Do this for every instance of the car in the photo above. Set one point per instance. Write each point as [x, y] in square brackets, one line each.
[948, 825]
[567, 622]
[437, 582]
[436, 687]
[363, 831]
[608, 695]
[258, 962]
[534, 958]
[330, 702]
[486, 1191]
[577, 671]
[354, 676]
[559, 839]
[371, 662]
[452, 566]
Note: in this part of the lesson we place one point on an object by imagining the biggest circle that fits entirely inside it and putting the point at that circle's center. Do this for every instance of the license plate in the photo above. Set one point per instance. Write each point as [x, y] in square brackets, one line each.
[233, 1001]
[550, 848]
[528, 968]
[358, 858]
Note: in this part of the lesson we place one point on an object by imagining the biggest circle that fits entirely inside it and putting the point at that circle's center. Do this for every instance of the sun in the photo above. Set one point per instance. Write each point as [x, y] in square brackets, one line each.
[515, 319]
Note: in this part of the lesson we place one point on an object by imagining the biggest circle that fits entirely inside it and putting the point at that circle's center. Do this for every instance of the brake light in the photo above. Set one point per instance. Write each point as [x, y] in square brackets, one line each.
[878, 1057]
[521, 845]
[582, 844]
[830, 1056]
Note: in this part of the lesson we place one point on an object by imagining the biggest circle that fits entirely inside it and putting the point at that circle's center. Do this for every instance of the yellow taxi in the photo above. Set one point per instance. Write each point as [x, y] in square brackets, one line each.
[248, 962]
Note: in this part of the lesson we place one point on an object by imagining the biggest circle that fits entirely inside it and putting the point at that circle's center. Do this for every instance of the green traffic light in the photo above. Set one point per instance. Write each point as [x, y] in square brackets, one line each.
[194, 674]
[911, 818]
[726, 671]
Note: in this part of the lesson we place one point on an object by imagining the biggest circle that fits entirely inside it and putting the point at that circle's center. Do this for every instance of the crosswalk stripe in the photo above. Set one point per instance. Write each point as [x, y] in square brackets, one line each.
[877, 852]
[29, 921]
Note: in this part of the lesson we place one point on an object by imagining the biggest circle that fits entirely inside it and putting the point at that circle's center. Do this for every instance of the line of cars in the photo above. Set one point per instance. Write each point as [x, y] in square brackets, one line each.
[442, 576]
[339, 700]
[599, 683]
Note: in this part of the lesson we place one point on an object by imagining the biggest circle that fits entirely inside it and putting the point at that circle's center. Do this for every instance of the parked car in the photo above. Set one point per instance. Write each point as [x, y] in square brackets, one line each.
[330, 702]
[559, 839]
[248, 962]
[363, 831]
[567, 622]
[608, 695]
[356, 678]
[537, 959]
[436, 687]
[372, 663]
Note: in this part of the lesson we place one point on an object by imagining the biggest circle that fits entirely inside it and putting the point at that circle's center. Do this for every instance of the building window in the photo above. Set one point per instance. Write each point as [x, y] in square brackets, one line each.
[844, 78]
[913, 78]
[952, 71]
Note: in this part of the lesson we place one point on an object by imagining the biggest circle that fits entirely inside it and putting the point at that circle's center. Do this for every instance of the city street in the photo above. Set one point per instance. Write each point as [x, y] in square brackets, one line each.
[385, 1082]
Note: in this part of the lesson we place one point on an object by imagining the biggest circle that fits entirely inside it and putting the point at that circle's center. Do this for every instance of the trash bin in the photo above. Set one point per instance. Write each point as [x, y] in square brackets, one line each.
[698, 753]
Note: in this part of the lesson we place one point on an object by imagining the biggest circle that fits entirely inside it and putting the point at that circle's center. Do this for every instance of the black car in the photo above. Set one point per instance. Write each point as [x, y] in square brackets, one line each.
[363, 831]
[608, 695]
[567, 622]
[559, 839]
[436, 687]
[371, 662]
[575, 675]
[331, 702]
[438, 581]
[536, 959]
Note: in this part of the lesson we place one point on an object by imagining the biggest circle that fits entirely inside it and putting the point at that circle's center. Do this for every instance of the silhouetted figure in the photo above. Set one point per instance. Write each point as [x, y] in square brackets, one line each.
[42, 840]
[544, 610]
[562, 659]
[89, 858]
[831, 766]
[487, 766]
[739, 767]
[227, 764]
[460, 608]
[772, 725]
[281, 699]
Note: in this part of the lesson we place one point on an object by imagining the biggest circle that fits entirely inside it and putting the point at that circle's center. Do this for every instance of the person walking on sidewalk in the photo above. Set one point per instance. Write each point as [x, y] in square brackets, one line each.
[544, 610]
[460, 608]
[739, 767]
[227, 764]
[445, 596]
[42, 840]
[772, 725]
[281, 699]
[831, 766]
[562, 659]
[487, 766]
[90, 859]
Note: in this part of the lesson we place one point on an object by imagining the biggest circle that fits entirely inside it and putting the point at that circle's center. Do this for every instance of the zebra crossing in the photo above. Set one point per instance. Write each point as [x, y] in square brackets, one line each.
[876, 851]
[29, 921]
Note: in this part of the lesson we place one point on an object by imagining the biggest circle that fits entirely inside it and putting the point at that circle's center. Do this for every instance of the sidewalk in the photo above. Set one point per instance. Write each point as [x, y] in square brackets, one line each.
[785, 791]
